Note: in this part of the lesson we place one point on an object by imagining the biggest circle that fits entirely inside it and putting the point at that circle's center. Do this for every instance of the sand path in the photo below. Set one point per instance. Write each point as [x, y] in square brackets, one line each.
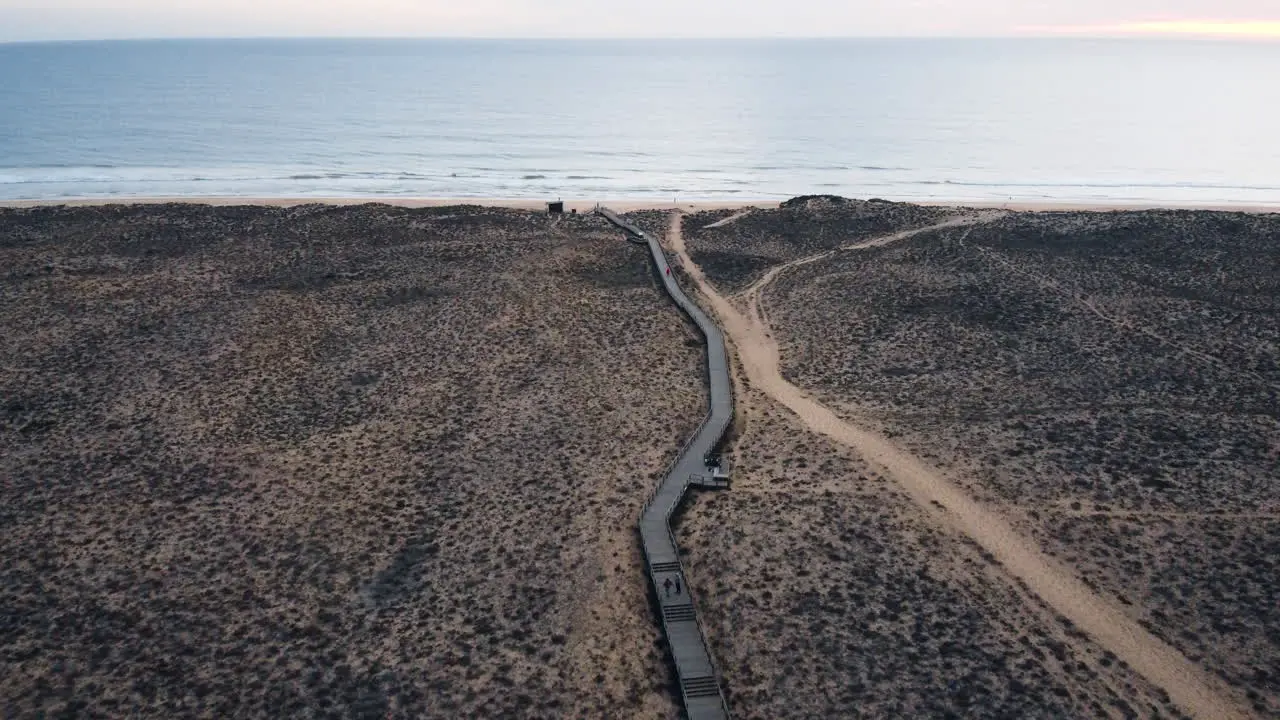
[730, 220]
[1187, 684]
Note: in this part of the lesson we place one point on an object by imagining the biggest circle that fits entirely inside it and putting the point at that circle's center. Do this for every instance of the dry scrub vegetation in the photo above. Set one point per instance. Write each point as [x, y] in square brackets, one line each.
[735, 254]
[828, 593]
[330, 462]
[1110, 381]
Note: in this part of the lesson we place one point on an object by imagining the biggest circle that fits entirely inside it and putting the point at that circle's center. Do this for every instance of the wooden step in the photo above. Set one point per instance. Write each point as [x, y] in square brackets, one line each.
[665, 567]
[679, 613]
[700, 687]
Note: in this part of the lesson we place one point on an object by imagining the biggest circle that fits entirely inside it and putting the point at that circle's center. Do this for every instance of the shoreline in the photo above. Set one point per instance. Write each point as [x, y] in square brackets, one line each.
[627, 205]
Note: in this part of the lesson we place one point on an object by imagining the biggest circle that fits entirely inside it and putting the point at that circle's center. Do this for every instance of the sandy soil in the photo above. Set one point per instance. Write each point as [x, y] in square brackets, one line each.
[304, 459]
[1101, 617]
[331, 462]
[1108, 382]
[735, 249]
[827, 592]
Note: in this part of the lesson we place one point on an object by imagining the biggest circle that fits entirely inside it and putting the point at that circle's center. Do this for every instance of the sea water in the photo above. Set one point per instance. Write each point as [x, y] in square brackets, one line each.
[982, 120]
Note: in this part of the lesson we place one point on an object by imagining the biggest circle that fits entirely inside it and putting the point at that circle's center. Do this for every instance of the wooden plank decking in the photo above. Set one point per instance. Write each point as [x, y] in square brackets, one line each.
[695, 669]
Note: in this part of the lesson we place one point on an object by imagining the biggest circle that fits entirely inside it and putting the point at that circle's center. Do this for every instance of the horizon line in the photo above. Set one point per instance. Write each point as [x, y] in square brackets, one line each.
[1040, 33]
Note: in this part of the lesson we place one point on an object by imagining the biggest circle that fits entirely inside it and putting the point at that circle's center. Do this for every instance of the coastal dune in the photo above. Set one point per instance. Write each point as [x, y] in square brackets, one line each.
[1088, 398]
[365, 461]
[373, 459]
[758, 351]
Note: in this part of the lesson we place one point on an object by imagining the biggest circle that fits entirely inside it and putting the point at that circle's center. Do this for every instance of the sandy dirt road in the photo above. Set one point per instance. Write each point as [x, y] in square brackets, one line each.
[1101, 617]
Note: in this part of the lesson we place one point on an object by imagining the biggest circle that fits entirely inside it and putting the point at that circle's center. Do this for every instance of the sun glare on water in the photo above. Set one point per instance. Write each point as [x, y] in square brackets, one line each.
[1257, 29]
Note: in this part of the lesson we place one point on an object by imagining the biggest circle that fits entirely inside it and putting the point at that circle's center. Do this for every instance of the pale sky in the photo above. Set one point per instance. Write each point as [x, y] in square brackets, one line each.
[97, 19]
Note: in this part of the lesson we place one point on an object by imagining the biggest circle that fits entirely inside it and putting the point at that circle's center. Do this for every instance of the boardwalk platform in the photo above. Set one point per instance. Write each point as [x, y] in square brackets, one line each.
[695, 669]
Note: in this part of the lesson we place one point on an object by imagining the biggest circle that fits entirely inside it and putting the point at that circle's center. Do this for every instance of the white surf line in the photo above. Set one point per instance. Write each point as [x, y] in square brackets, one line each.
[1188, 685]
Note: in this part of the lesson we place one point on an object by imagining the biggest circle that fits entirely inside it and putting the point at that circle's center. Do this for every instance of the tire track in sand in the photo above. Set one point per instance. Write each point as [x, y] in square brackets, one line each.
[1188, 685]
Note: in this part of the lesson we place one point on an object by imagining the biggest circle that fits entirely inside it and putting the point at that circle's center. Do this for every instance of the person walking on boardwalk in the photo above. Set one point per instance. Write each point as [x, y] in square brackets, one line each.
[677, 584]
[667, 585]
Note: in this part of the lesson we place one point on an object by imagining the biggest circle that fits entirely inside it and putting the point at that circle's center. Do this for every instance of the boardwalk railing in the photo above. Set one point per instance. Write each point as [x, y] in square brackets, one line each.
[699, 678]
[671, 466]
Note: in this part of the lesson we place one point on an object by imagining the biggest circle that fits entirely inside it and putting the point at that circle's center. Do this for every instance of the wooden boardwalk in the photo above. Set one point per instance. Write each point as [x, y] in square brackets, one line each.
[695, 669]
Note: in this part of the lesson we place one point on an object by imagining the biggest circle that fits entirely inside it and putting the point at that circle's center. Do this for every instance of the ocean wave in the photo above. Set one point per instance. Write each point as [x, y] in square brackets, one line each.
[616, 154]
[586, 180]
[830, 168]
[76, 166]
[28, 176]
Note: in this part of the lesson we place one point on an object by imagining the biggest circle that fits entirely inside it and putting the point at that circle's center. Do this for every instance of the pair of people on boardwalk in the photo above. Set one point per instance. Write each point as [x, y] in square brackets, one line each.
[667, 584]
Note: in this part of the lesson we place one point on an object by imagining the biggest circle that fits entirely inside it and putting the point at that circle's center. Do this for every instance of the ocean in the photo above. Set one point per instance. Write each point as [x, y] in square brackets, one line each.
[1077, 120]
